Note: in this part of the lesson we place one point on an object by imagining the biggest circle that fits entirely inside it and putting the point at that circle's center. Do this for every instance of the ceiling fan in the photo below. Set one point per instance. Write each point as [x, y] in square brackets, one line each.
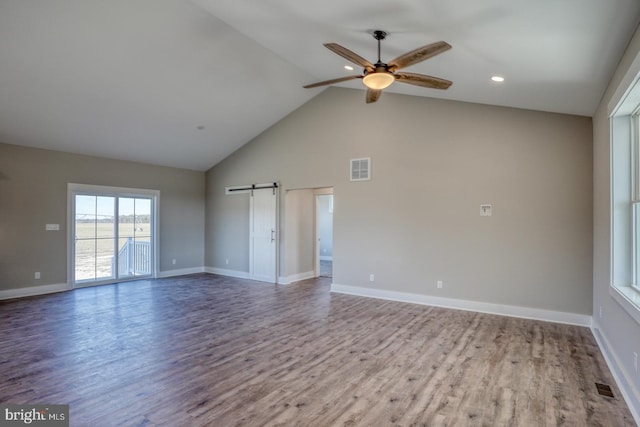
[380, 75]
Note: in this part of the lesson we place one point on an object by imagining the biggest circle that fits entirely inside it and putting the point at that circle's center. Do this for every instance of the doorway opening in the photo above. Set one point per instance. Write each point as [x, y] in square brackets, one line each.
[324, 235]
[307, 235]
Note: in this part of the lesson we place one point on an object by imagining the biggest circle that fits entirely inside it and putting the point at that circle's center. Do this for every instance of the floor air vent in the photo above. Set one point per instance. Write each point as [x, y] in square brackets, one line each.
[604, 390]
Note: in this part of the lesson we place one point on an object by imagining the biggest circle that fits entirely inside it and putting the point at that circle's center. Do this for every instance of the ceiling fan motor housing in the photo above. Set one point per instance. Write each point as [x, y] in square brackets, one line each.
[380, 35]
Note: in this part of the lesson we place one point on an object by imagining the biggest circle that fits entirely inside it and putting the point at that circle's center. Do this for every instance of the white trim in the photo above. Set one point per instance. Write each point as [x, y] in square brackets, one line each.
[628, 298]
[34, 290]
[628, 81]
[287, 280]
[323, 191]
[326, 258]
[630, 394]
[180, 272]
[105, 190]
[481, 307]
[623, 204]
[231, 273]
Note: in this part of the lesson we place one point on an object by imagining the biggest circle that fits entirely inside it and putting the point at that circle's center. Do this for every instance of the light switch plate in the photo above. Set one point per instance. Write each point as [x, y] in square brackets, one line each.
[52, 227]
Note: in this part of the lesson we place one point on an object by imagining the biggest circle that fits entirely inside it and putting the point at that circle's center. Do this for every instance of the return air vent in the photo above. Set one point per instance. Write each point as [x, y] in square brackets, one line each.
[361, 169]
[604, 390]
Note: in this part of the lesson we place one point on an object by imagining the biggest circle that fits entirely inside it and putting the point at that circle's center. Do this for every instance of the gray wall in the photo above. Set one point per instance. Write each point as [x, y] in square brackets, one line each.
[619, 332]
[33, 192]
[296, 243]
[417, 221]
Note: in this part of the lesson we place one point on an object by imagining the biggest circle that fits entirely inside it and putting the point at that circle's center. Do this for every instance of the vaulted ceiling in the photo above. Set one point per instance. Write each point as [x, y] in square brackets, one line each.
[185, 83]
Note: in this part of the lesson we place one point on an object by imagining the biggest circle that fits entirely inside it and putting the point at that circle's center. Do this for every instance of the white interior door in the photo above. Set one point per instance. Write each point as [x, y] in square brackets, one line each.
[263, 235]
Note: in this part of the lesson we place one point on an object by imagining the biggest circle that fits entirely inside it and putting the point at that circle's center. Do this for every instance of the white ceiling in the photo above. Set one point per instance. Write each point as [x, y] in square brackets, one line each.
[135, 79]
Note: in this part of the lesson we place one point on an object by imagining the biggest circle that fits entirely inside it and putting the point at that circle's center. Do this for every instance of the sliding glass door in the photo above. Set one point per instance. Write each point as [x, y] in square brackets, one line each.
[112, 235]
[134, 237]
[95, 233]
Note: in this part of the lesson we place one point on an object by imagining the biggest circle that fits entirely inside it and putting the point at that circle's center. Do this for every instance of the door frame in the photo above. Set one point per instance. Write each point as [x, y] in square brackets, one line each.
[74, 189]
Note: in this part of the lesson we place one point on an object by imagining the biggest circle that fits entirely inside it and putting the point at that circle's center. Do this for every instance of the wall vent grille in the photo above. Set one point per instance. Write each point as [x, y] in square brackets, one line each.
[604, 390]
[361, 169]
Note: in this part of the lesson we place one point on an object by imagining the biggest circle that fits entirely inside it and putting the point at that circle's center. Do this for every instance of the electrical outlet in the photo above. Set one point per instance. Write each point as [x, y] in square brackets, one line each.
[372, 277]
[173, 261]
[37, 275]
[226, 261]
[439, 284]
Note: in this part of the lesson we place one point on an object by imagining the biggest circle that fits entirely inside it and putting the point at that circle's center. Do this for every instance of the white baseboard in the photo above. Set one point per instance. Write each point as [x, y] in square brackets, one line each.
[630, 394]
[34, 290]
[326, 258]
[237, 274]
[482, 307]
[180, 272]
[296, 277]
[61, 287]
[231, 273]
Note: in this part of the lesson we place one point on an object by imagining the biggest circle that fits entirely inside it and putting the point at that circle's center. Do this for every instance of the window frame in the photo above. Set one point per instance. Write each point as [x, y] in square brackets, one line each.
[625, 202]
[634, 202]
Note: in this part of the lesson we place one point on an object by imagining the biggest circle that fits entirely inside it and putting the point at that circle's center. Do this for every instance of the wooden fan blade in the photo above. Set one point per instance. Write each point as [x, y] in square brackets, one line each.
[349, 55]
[373, 95]
[423, 80]
[328, 82]
[418, 55]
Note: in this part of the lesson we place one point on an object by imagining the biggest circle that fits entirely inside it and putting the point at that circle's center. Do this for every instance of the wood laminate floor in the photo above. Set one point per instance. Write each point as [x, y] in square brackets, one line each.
[205, 350]
[326, 268]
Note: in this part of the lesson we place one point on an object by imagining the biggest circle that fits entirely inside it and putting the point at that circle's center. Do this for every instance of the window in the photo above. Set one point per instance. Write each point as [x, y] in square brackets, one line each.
[112, 234]
[625, 202]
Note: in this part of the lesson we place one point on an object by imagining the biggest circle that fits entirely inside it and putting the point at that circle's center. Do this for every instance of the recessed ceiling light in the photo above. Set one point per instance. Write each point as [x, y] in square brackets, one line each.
[348, 67]
[498, 79]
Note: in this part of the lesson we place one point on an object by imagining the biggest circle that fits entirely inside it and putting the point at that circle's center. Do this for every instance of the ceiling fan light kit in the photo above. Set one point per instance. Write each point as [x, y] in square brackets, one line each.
[378, 80]
[379, 76]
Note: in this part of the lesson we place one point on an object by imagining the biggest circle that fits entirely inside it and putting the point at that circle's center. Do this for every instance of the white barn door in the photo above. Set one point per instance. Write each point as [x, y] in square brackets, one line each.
[263, 235]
